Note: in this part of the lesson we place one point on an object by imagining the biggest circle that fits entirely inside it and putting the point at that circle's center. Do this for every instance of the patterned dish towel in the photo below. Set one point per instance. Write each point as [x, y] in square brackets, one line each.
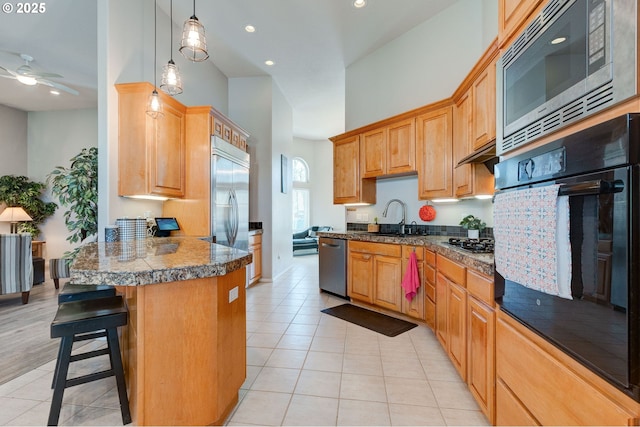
[532, 246]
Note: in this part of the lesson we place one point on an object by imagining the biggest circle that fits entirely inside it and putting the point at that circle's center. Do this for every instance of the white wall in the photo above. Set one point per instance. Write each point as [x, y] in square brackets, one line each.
[250, 103]
[13, 146]
[54, 137]
[422, 66]
[125, 54]
[319, 156]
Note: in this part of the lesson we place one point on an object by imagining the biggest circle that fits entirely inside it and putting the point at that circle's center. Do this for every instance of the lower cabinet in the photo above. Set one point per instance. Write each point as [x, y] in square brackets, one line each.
[538, 384]
[429, 282]
[254, 270]
[415, 307]
[465, 327]
[375, 276]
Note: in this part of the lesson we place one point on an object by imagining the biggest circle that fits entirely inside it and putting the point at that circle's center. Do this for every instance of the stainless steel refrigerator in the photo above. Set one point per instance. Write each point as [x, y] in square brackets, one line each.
[230, 194]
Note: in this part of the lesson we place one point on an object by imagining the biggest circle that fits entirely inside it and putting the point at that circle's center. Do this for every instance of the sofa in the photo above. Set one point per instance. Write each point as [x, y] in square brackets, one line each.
[308, 238]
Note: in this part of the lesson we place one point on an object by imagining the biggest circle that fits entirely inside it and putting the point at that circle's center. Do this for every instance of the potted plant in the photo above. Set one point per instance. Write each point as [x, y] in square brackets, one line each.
[77, 188]
[21, 191]
[474, 226]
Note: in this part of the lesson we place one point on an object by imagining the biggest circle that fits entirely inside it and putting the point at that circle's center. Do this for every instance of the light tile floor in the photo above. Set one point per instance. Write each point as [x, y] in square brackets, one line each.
[303, 368]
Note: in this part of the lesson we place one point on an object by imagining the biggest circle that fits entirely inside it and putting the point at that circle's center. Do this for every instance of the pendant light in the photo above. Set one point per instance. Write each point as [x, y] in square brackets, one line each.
[171, 82]
[154, 106]
[194, 44]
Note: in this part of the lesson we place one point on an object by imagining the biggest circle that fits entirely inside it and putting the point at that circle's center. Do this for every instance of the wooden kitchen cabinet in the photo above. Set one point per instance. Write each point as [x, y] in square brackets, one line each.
[373, 152]
[451, 312]
[151, 152]
[434, 151]
[481, 342]
[254, 270]
[484, 106]
[348, 186]
[474, 126]
[539, 384]
[361, 275]
[430, 288]
[415, 307]
[389, 150]
[388, 292]
[401, 147]
[193, 211]
[512, 14]
[375, 274]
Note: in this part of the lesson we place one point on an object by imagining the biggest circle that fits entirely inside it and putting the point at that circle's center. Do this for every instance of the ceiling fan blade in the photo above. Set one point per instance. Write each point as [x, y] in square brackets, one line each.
[46, 75]
[11, 72]
[58, 86]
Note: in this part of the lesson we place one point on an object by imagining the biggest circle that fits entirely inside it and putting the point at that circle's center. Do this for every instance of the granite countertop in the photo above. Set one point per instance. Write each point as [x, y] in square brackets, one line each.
[154, 260]
[482, 263]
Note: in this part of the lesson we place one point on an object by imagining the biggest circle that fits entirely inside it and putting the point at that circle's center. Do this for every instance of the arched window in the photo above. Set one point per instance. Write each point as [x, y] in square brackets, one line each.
[301, 194]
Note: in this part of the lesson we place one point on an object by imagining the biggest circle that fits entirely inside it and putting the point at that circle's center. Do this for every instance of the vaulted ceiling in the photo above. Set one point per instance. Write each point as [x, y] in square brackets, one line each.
[311, 42]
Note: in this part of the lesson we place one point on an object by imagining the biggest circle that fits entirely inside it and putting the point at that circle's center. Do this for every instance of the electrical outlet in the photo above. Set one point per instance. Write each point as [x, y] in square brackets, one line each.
[233, 294]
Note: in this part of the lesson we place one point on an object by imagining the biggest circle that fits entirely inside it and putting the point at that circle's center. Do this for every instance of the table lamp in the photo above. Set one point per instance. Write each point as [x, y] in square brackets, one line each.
[14, 215]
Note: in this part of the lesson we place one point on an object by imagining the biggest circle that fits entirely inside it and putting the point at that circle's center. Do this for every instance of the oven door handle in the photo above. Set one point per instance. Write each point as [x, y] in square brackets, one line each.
[589, 188]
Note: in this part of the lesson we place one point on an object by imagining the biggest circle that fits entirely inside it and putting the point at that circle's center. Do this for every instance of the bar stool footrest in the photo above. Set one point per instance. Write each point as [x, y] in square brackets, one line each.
[88, 355]
[89, 377]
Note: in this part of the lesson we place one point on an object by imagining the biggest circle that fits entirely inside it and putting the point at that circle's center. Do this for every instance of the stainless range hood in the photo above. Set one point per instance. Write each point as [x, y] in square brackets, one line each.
[485, 155]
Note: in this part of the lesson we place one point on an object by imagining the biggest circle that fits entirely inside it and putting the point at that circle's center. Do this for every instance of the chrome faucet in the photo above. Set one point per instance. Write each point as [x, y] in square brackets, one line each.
[404, 213]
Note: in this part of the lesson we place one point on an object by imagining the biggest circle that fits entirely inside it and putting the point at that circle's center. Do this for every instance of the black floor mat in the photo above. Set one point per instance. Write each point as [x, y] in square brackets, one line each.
[381, 323]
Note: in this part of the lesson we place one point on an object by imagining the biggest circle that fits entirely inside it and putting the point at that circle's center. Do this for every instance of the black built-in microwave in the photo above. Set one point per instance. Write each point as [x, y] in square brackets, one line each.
[574, 59]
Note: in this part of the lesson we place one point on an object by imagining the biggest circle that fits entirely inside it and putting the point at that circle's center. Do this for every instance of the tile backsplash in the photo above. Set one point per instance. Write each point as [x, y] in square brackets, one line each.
[430, 230]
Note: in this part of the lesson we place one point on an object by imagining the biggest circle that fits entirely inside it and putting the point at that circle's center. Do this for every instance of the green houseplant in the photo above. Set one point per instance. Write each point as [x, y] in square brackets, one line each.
[77, 188]
[21, 191]
[474, 225]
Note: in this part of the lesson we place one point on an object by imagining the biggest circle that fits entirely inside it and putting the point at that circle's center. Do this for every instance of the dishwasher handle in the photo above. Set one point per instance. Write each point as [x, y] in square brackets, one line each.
[329, 245]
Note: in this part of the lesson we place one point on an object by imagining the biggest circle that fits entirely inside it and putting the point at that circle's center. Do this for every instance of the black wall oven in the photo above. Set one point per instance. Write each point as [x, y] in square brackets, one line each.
[598, 170]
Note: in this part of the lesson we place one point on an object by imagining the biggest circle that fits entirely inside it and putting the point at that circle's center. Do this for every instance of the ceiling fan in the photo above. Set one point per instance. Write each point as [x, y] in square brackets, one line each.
[26, 75]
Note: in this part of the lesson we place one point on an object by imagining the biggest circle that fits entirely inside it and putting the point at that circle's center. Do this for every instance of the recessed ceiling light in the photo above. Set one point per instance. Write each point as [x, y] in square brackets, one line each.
[269, 62]
[558, 40]
[250, 29]
[54, 92]
[359, 3]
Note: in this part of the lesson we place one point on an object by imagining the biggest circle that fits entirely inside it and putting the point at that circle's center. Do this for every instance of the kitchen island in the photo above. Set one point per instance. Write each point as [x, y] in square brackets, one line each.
[184, 348]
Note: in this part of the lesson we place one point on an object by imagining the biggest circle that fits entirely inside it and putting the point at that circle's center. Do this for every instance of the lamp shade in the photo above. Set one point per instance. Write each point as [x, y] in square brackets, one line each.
[194, 43]
[15, 214]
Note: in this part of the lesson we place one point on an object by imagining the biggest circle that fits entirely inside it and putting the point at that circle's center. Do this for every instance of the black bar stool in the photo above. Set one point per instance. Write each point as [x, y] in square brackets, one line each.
[71, 292]
[88, 318]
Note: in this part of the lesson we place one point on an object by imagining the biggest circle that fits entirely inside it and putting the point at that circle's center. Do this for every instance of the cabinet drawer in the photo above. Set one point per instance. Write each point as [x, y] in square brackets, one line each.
[430, 291]
[430, 257]
[407, 249]
[453, 271]
[480, 287]
[376, 248]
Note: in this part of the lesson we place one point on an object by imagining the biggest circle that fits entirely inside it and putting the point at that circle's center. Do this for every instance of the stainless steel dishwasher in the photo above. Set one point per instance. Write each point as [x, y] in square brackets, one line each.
[333, 265]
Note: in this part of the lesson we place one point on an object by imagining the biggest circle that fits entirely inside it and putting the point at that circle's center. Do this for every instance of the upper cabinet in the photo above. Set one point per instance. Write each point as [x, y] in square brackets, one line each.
[389, 150]
[348, 186]
[511, 15]
[151, 152]
[484, 106]
[434, 137]
[475, 126]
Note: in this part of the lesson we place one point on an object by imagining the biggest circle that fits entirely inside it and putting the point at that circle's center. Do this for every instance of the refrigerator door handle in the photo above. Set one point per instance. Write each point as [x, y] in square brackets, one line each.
[234, 217]
[228, 225]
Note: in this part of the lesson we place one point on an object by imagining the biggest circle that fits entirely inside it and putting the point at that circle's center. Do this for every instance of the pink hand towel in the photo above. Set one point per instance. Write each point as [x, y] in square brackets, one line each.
[411, 280]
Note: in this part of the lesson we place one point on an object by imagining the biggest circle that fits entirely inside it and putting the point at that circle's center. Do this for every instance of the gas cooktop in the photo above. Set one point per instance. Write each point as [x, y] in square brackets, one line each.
[477, 246]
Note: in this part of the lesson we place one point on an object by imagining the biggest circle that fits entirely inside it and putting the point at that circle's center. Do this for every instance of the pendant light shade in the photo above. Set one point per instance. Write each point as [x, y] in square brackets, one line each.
[171, 82]
[194, 43]
[154, 106]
